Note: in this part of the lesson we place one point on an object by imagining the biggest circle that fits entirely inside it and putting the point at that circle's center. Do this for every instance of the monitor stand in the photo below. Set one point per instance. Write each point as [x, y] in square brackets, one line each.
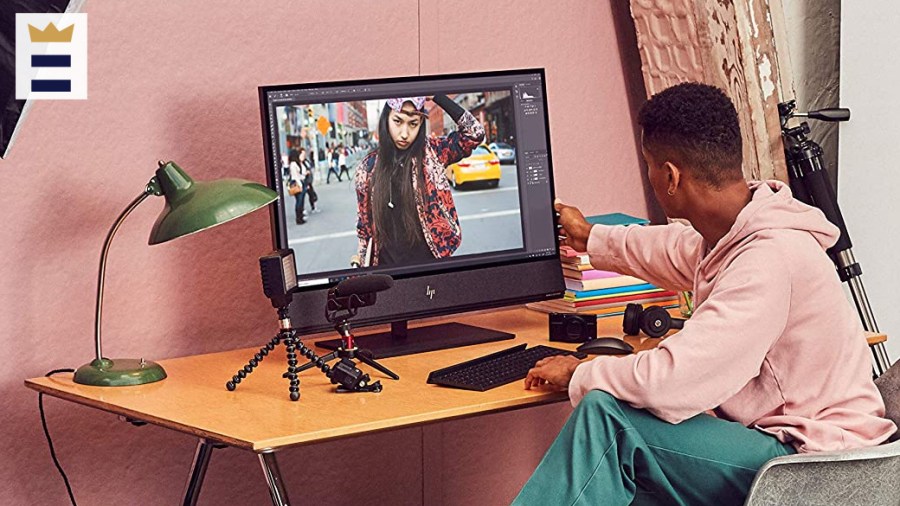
[402, 340]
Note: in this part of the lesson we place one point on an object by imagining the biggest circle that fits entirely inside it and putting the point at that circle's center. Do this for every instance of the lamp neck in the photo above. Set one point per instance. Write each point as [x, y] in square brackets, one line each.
[172, 180]
[152, 188]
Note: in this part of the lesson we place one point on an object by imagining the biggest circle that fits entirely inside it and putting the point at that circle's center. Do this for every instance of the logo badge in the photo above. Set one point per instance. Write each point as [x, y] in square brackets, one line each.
[429, 292]
[51, 56]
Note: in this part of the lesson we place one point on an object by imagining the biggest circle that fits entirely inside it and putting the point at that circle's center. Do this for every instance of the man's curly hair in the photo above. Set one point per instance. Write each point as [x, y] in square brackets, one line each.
[694, 126]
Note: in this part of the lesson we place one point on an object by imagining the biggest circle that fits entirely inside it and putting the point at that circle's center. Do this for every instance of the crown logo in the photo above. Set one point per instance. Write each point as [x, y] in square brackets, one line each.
[51, 34]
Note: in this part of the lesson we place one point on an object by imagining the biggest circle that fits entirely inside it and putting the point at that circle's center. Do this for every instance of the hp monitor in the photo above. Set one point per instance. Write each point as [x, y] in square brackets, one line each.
[443, 182]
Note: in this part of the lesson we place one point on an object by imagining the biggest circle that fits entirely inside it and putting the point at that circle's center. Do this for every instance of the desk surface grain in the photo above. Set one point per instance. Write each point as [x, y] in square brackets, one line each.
[259, 415]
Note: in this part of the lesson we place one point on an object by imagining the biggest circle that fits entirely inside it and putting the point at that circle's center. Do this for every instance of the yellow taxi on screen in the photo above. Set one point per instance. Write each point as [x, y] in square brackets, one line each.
[482, 166]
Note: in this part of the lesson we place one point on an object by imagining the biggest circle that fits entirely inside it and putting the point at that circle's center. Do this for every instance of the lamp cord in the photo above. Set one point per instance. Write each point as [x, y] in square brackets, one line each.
[50, 441]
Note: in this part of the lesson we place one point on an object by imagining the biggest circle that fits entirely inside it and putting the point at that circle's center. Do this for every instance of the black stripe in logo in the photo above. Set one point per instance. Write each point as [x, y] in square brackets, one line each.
[64, 85]
[51, 60]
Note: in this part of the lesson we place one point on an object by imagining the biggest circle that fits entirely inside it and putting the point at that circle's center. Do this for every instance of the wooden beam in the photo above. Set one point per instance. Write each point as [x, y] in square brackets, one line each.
[729, 44]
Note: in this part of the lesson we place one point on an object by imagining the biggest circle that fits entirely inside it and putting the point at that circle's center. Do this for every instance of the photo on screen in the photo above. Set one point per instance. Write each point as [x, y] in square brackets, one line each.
[458, 198]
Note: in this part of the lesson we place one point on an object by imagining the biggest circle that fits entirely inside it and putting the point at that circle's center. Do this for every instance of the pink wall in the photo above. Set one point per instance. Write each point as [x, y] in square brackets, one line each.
[180, 83]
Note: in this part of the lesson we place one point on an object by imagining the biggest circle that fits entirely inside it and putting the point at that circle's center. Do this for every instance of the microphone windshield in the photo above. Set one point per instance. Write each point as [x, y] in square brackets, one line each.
[361, 285]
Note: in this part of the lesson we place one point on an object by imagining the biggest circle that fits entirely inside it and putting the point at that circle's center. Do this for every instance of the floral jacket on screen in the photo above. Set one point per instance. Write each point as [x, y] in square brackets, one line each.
[438, 217]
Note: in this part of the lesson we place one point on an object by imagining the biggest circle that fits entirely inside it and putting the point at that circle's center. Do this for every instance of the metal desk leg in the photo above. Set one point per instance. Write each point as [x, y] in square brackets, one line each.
[273, 477]
[198, 471]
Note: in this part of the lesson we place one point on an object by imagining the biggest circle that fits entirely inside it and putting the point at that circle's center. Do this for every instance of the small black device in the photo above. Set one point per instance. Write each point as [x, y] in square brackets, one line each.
[496, 369]
[606, 346]
[279, 276]
[654, 321]
[572, 328]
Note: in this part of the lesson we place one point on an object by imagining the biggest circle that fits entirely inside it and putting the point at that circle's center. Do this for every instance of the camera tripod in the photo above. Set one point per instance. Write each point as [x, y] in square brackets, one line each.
[345, 374]
[809, 184]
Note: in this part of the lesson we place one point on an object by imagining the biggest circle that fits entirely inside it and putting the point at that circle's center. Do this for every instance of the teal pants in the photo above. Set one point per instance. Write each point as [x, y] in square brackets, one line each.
[611, 454]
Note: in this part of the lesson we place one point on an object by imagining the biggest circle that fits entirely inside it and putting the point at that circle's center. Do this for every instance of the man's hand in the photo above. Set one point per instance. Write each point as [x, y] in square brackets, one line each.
[574, 229]
[555, 372]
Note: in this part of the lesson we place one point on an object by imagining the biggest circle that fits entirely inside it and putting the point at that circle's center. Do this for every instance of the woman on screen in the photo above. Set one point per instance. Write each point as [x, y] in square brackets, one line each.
[405, 209]
[298, 172]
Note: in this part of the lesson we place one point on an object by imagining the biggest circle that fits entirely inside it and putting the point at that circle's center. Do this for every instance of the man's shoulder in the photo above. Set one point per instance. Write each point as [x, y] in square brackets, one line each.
[777, 252]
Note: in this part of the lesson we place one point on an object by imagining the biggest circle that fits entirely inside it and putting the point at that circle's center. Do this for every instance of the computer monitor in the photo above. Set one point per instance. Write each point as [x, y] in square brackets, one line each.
[443, 182]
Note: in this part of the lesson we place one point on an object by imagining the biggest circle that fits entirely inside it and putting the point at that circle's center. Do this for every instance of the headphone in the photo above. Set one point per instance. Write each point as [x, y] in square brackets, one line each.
[655, 321]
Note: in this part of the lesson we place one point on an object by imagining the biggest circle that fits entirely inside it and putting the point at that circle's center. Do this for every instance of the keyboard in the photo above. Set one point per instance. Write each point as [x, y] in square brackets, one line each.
[496, 369]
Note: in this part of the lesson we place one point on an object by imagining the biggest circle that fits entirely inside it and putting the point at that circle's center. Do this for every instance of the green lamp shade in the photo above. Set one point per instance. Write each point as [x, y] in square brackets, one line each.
[193, 206]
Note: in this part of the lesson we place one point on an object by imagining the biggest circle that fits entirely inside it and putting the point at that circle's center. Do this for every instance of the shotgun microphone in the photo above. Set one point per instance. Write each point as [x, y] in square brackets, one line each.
[357, 292]
[362, 285]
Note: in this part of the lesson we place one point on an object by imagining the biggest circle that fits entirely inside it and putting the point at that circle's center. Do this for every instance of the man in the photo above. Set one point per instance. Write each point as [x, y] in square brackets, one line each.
[773, 347]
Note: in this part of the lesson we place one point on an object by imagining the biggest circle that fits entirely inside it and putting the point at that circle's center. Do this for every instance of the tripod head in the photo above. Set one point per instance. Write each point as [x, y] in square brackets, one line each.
[788, 110]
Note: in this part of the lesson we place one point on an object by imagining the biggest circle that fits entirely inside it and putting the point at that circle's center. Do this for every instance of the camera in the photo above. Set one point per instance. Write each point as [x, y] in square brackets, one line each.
[572, 328]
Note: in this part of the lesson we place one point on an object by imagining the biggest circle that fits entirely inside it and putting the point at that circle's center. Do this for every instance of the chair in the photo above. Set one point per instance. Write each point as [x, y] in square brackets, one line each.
[865, 476]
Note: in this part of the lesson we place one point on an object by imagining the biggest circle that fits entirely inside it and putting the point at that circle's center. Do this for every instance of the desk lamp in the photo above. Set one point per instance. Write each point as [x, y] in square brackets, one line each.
[190, 207]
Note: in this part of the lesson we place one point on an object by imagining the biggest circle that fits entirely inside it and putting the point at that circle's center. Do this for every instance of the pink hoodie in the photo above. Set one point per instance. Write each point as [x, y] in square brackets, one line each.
[773, 342]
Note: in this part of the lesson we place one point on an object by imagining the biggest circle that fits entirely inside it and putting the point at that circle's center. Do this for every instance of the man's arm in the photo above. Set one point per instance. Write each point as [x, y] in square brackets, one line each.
[720, 349]
[665, 255]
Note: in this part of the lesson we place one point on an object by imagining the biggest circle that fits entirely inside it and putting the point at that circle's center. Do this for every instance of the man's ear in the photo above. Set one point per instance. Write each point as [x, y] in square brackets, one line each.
[673, 177]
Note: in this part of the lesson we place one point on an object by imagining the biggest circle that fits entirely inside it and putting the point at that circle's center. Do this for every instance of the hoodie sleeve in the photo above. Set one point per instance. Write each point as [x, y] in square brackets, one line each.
[720, 349]
[665, 255]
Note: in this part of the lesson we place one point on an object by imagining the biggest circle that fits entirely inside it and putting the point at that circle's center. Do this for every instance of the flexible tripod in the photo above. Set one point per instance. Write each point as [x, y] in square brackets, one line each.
[809, 183]
[345, 374]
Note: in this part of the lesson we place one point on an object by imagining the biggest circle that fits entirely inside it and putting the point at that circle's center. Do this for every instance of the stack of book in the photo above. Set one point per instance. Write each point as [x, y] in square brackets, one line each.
[603, 293]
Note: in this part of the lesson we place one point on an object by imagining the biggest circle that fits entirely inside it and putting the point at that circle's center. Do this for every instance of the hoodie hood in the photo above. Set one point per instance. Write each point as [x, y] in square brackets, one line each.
[772, 207]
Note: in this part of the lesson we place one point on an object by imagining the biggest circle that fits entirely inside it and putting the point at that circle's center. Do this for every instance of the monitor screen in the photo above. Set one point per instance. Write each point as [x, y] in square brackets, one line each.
[443, 182]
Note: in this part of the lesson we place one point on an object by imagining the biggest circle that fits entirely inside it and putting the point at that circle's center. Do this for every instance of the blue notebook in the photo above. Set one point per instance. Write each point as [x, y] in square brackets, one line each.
[610, 291]
[616, 219]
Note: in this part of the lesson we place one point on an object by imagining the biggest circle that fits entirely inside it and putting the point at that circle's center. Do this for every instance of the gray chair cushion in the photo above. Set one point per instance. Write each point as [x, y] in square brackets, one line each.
[889, 385]
[865, 476]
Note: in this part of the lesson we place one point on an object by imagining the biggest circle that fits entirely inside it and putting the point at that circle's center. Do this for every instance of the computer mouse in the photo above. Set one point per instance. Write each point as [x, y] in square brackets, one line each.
[606, 346]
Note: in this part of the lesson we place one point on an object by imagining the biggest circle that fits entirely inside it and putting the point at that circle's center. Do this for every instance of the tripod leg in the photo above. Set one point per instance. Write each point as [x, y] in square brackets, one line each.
[263, 352]
[364, 357]
[313, 362]
[292, 368]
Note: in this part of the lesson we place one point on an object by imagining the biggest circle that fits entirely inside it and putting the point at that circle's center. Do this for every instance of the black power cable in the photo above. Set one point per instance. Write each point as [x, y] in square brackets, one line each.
[50, 441]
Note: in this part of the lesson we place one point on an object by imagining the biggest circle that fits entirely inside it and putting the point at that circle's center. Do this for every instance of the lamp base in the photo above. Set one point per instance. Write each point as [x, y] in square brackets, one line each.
[119, 372]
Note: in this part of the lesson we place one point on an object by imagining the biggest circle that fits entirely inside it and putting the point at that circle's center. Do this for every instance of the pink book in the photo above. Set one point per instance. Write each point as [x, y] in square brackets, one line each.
[598, 274]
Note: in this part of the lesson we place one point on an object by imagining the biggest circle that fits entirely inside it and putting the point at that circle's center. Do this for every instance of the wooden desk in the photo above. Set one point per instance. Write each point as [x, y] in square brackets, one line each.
[260, 417]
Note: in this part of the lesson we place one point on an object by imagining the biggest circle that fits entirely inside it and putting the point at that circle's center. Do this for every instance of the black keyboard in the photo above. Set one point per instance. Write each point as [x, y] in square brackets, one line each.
[496, 369]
